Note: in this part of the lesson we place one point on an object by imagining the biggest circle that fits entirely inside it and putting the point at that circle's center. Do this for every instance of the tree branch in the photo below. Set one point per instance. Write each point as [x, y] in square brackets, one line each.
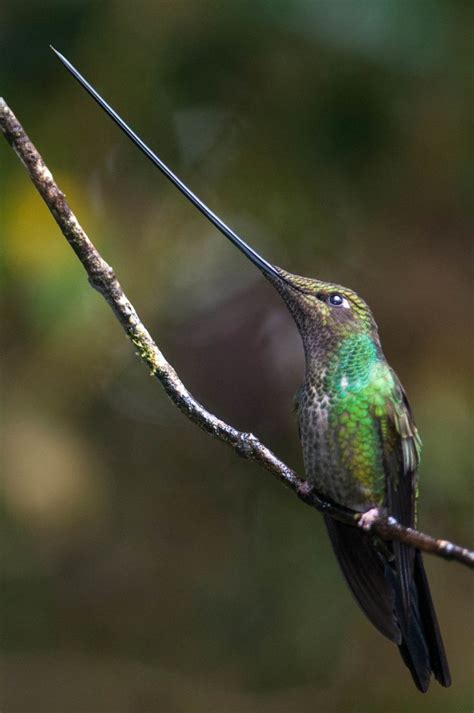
[101, 276]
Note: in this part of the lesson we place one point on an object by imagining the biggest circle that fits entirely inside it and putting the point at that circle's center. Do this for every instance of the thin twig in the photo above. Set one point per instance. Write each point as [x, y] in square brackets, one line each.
[102, 278]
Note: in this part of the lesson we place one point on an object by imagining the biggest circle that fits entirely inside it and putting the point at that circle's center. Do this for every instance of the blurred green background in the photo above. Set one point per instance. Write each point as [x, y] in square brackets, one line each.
[145, 567]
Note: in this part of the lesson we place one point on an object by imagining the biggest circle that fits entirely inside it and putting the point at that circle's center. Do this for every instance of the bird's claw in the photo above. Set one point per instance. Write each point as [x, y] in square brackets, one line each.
[368, 518]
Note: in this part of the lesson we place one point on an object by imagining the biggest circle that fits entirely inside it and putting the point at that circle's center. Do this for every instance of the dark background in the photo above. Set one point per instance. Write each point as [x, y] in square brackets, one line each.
[144, 566]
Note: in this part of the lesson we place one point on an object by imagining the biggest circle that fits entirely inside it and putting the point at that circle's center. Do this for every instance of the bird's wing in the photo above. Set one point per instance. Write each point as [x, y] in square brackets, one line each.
[401, 448]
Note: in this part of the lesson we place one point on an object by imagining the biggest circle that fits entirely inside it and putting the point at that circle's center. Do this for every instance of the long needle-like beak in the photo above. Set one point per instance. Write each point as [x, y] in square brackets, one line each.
[257, 259]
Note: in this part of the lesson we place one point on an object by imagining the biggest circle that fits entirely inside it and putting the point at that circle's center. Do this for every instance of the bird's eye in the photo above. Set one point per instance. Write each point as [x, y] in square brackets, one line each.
[336, 300]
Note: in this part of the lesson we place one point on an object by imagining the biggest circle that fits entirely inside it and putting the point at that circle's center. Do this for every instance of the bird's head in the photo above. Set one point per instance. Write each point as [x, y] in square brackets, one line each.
[323, 311]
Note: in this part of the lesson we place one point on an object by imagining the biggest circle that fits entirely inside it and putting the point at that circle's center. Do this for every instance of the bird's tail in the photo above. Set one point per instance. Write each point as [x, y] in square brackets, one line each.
[426, 623]
[374, 584]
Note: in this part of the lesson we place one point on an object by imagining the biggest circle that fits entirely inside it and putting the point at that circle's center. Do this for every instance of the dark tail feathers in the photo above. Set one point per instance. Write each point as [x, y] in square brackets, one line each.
[374, 584]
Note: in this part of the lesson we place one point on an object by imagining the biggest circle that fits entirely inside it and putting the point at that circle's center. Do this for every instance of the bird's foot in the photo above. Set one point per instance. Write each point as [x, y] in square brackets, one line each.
[368, 518]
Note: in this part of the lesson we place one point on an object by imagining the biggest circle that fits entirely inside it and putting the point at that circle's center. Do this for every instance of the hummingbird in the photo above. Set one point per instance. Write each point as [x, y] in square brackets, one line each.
[361, 447]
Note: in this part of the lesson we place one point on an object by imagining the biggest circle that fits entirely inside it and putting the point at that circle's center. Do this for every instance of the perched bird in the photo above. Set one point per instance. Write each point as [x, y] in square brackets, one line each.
[360, 444]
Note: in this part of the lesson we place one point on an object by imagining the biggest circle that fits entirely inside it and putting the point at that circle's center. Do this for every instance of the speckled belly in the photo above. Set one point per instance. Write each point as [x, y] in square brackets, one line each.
[341, 449]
